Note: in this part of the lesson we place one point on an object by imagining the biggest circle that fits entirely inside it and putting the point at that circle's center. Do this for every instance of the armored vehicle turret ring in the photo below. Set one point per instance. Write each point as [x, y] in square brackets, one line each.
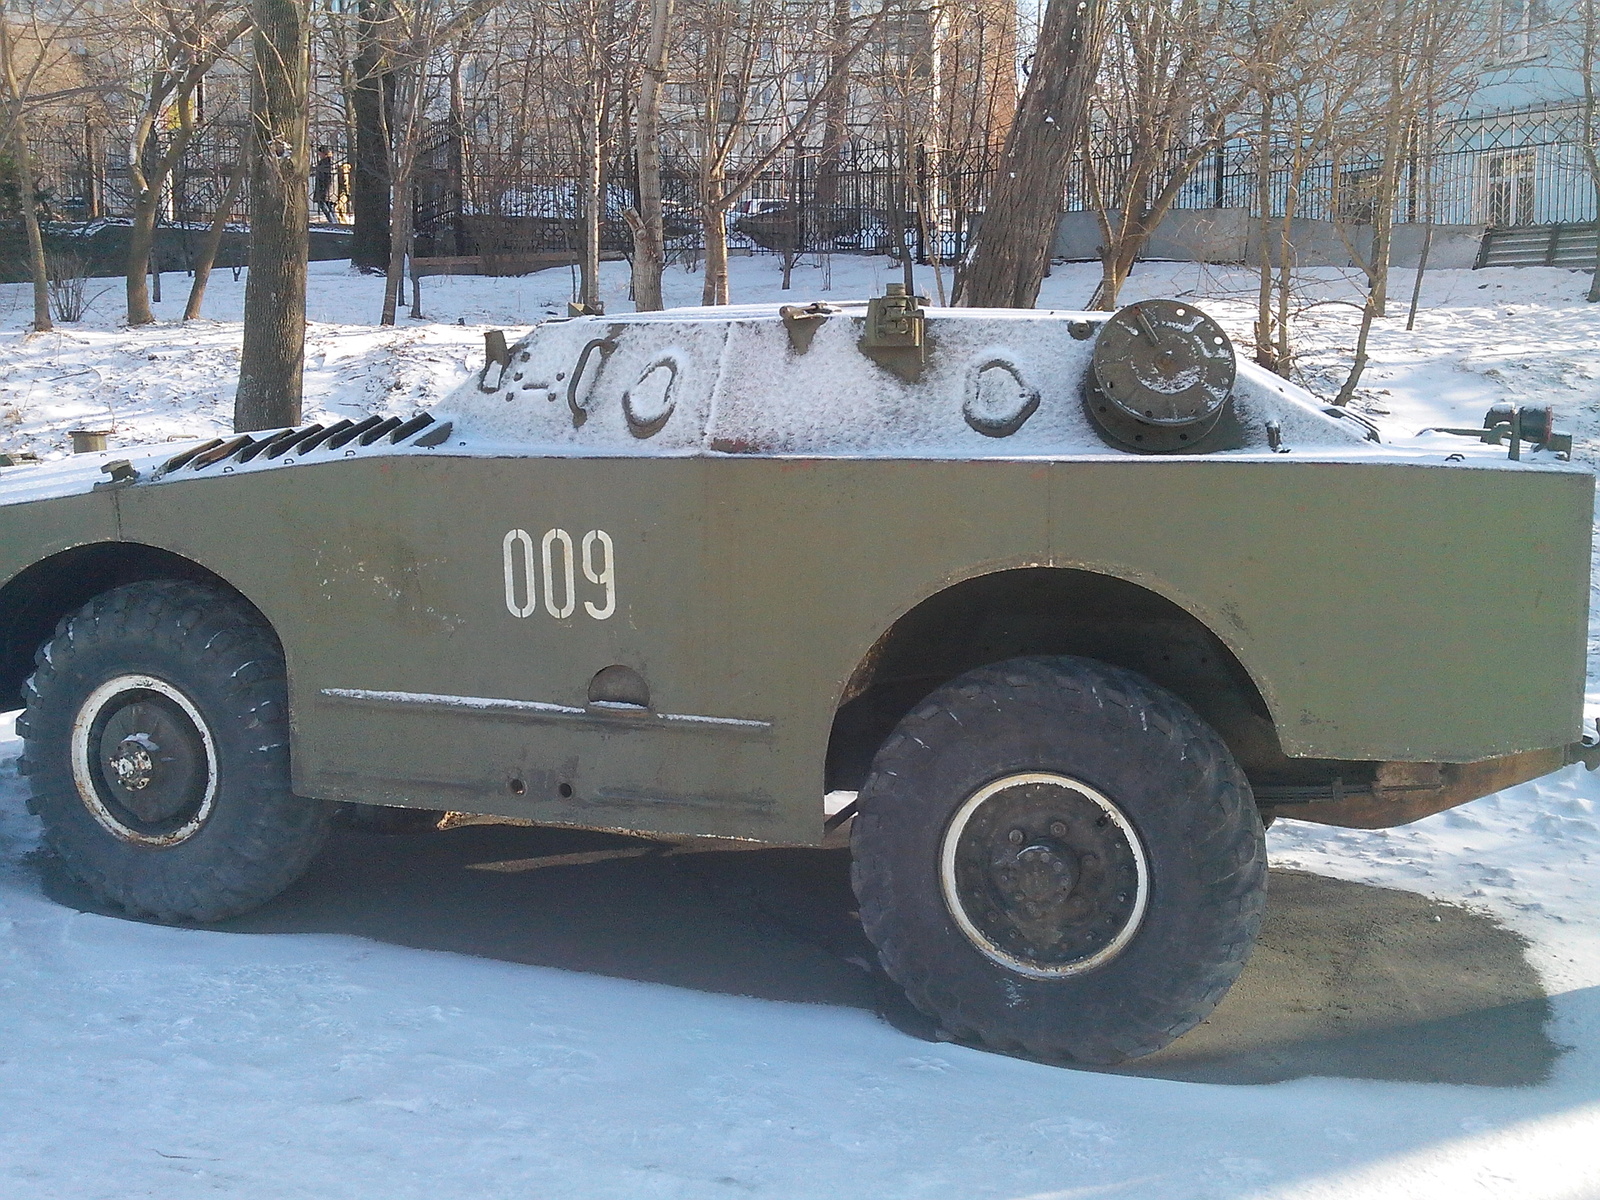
[1161, 375]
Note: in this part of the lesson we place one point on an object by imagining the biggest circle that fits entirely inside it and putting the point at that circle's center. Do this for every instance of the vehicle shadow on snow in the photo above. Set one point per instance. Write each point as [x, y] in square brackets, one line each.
[1347, 980]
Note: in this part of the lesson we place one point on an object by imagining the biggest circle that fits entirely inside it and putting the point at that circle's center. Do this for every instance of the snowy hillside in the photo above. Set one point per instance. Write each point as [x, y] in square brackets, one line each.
[419, 1019]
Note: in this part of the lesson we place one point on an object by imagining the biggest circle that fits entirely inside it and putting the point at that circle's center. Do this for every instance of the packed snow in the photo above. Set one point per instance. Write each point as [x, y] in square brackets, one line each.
[318, 1058]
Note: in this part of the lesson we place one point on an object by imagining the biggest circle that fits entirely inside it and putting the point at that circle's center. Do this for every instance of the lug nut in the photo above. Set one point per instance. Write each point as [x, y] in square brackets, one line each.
[1058, 828]
[1016, 837]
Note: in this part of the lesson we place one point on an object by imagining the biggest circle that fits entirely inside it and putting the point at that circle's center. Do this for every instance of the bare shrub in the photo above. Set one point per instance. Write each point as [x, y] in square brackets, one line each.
[69, 282]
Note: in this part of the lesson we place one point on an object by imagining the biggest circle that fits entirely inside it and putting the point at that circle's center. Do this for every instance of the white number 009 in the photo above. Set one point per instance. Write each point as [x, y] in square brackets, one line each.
[553, 565]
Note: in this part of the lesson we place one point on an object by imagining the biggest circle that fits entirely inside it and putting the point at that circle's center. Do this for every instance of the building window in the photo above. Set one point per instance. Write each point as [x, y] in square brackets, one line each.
[1508, 188]
[1515, 24]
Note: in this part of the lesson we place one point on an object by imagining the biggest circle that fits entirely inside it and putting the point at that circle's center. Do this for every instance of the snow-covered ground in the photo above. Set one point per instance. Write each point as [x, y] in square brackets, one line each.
[144, 1061]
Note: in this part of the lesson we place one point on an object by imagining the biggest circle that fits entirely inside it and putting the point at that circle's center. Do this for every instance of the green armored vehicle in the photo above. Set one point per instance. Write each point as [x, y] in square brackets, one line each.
[1042, 613]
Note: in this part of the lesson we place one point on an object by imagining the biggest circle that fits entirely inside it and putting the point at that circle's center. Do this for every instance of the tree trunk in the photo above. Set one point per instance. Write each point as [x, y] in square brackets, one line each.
[154, 168]
[1359, 363]
[1593, 295]
[30, 215]
[1117, 263]
[141, 240]
[1589, 49]
[371, 97]
[649, 233]
[1266, 355]
[1382, 217]
[592, 199]
[273, 357]
[1012, 245]
[30, 219]
[208, 248]
[395, 268]
[1388, 183]
[835, 114]
[715, 218]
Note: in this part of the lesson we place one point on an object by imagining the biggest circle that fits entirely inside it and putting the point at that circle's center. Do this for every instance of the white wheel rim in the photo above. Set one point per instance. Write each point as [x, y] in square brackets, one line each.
[982, 942]
[83, 766]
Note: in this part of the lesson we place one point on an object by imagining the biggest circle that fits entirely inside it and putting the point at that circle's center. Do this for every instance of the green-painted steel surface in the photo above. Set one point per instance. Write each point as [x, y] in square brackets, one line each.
[445, 603]
[1385, 611]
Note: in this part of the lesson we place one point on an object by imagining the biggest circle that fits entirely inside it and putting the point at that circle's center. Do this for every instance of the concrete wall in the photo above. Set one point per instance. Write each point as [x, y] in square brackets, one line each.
[1215, 235]
[1229, 235]
[1318, 243]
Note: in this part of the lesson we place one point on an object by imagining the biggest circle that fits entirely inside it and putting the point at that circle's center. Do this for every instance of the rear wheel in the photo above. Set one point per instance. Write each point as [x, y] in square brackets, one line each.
[157, 748]
[1057, 856]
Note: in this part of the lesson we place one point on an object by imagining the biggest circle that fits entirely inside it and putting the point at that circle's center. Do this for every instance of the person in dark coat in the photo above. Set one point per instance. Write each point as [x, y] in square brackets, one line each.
[322, 184]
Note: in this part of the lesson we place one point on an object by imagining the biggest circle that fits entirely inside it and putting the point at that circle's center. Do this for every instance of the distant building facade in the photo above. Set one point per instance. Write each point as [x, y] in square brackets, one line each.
[1513, 155]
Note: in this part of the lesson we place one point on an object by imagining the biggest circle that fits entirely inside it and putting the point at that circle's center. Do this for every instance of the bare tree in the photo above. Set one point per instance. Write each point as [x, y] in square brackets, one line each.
[1305, 77]
[749, 53]
[646, 223]
[1009, 253]
[213, 241]
[1588, 56]
[186, 38]
[371, 87]
[409, 36]
[273, 357]
[596, 72]
[1169, 89]
[34, 57]
[1427, 50]
[15, 96]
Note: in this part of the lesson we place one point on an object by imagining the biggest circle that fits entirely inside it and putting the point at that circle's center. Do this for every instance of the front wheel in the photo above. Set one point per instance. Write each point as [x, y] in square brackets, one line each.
[156, 741]
[1057, 856]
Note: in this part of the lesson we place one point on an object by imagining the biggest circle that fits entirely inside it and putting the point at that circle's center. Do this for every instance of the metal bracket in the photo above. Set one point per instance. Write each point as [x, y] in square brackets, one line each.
[121, 472]
[495, 351]
[1506, 423]
[895, 337]
[802, 323]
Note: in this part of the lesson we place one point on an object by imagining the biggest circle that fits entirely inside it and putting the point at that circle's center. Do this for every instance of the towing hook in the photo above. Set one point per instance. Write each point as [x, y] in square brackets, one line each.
[1587, 751]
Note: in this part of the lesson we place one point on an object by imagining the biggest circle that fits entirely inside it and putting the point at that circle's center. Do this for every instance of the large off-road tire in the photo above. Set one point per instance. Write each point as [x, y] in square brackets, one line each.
[156, 743]
[1057, 857]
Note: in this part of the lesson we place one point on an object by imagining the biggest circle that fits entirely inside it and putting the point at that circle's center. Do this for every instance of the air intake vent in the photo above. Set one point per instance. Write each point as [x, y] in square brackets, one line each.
[300, 443]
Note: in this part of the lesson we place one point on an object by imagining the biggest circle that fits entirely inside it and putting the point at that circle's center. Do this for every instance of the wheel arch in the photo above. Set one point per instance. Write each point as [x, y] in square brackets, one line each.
[1024, 611]
[36, 598]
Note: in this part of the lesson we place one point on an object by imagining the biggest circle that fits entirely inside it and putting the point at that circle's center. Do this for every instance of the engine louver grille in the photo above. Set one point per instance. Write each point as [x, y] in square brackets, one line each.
[420, 430]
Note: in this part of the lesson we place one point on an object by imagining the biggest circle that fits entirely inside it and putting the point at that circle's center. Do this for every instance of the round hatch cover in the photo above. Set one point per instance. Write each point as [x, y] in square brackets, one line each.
[1162, 373]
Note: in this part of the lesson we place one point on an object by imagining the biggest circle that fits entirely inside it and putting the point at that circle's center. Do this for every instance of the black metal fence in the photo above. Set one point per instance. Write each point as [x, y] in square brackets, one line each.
[1500, 169]
[85, 174]
[1510, 168]
[1503, 169]
[866, 199]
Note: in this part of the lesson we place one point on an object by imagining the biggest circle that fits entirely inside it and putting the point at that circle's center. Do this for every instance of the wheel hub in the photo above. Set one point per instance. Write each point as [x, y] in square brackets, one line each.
[1044, 874]
[143, 761]
[133, 762]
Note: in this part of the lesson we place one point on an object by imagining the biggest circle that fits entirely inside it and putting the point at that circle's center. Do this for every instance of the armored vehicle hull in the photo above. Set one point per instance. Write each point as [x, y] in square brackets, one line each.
[704, 575]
